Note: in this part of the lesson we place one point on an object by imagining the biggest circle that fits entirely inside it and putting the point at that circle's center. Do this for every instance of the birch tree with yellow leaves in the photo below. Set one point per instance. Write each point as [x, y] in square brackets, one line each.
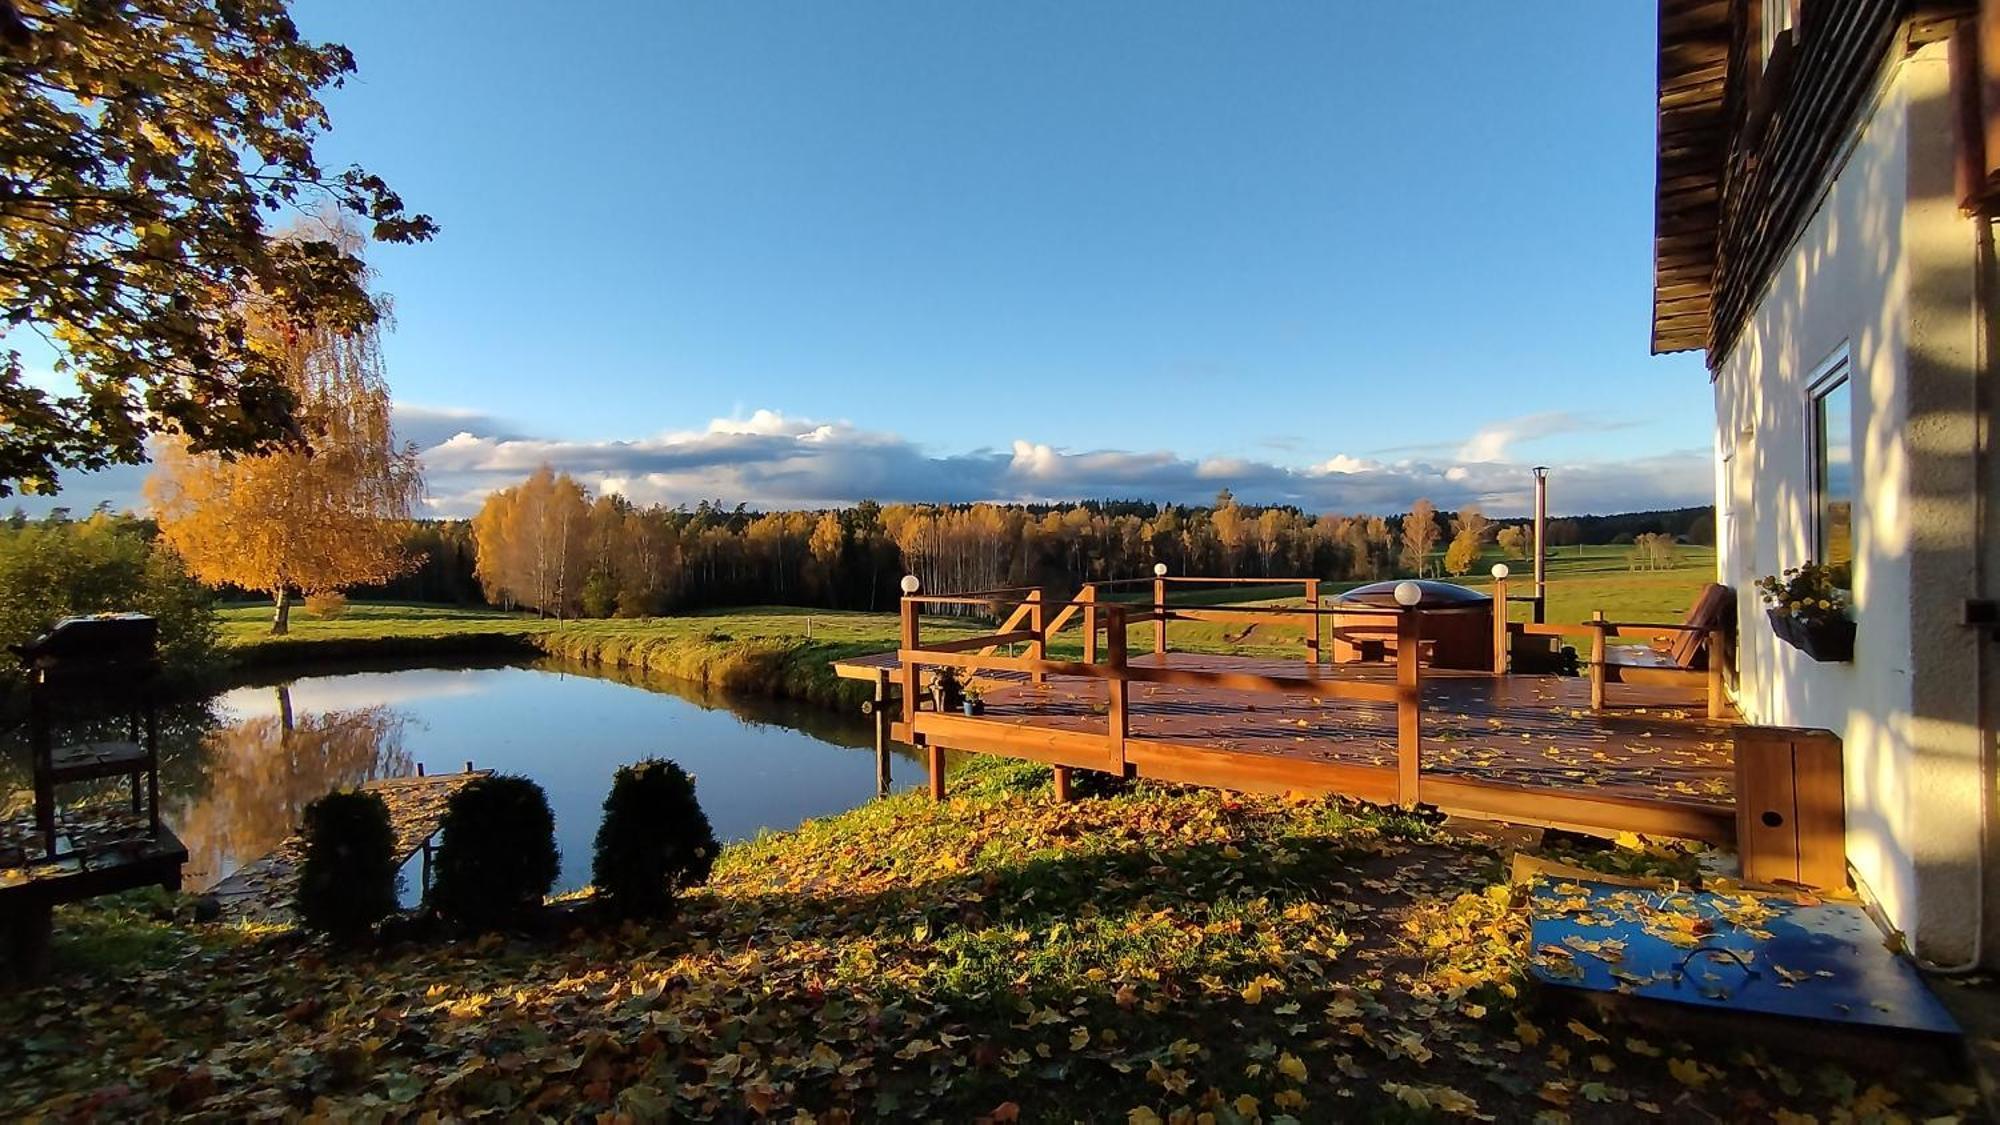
[305, 521]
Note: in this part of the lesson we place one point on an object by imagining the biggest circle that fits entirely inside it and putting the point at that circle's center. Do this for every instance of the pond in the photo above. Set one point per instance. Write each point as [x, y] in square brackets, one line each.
[239, 767]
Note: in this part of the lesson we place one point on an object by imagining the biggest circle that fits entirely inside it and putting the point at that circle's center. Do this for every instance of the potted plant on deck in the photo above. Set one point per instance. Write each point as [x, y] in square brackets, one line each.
[1809, 612]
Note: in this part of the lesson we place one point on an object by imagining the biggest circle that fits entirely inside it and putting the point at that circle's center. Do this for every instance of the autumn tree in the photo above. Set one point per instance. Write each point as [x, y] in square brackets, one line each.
[1513, 540]
[312, 520]
[146, 148]
[1420, 536]
[1463, 554]
[828, 537]
[1652, 550]
[532, 542]
[1471, 519]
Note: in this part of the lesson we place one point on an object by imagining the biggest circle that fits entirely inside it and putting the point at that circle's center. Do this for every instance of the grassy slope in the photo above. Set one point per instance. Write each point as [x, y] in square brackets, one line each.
[765, 649]
[1147, 954]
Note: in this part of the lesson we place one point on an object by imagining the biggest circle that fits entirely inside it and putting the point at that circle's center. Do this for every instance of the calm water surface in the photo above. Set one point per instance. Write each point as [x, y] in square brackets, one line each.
[241, 766]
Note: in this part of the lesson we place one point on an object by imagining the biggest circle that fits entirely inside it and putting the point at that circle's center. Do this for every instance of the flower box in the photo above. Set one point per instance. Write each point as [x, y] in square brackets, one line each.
[1825, 641]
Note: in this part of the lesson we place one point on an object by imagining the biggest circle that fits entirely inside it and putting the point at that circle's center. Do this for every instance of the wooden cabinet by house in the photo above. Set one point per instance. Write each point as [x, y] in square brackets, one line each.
[1791, 817]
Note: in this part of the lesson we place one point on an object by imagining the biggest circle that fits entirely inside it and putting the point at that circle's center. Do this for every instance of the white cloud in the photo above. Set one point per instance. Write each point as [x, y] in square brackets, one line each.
[772, 460]
[1493, 441]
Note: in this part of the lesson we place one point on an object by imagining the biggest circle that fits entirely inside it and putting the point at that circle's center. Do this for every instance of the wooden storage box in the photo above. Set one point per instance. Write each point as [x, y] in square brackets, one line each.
[1791, 811]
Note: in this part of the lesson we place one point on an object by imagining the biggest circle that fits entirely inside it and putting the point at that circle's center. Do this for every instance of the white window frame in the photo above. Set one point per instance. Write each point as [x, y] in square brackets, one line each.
[1833, 371]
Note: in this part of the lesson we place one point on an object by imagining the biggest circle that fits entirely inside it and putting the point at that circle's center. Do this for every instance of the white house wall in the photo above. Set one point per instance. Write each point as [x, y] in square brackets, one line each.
[1885, 230]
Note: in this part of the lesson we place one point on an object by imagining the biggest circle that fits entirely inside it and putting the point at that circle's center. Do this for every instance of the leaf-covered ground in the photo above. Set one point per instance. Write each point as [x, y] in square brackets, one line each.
[1139, 955]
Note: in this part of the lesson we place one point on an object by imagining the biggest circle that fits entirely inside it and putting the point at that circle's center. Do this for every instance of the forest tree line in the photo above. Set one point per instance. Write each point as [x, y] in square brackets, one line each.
[547, 544]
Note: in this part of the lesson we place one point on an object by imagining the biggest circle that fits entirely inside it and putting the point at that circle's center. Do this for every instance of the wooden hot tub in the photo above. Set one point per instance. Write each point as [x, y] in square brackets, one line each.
[1457, 625]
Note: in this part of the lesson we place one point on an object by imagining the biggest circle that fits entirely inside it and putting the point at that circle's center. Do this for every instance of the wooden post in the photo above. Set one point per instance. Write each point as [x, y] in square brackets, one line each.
[1312, 632]
[1119, 715]
[152, 766]
[1038, 649]
[1088, 596]
[911, 641]
[881, 714]
[1062, 785]
[908, 643]
[1541, 542]
[41, 738]
[1500, 645]
[1597, 641]
[1715, 695]
[24, 943]
[1160, 621]
[1409, 697]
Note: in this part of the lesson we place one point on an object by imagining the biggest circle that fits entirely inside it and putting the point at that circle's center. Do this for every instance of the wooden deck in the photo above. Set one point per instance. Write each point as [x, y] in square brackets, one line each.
[101, 848]
[1523, 748]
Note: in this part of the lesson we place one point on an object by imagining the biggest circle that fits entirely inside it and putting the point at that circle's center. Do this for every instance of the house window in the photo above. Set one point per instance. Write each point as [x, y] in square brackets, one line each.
[1833, 469]
[1776, 21]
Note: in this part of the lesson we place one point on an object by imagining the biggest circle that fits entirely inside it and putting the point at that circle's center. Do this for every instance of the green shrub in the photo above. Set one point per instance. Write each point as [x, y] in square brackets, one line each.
[654, 842]
[599, 596]
[60, 567]
[498, 859]
[348, 880]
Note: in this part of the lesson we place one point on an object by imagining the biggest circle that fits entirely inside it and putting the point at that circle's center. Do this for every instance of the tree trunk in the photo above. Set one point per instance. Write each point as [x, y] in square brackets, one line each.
[281, 619]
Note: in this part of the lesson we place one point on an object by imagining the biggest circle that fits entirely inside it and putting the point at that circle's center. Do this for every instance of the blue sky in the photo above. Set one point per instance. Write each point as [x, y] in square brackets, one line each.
[1338, 254]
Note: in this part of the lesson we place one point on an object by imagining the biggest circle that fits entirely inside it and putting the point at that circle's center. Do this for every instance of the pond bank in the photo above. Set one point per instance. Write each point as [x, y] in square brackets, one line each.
[774, 667]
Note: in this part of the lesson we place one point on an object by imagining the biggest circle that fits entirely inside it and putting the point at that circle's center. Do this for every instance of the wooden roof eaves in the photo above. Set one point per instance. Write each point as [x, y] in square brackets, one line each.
[1691, 138]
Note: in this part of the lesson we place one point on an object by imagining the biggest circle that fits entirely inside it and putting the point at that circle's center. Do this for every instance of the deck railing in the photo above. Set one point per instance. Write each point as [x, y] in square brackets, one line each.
[1027, 620]
[1029, 624]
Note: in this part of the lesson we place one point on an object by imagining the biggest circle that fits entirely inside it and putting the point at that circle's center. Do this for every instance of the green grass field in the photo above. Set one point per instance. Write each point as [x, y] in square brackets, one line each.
[784, 650]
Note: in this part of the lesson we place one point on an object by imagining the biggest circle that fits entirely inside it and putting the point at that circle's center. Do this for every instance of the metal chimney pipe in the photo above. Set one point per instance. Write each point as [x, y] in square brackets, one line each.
[1541, 542]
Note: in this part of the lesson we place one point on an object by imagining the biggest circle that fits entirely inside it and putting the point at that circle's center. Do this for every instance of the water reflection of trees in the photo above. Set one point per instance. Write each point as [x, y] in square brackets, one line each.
[261, 772]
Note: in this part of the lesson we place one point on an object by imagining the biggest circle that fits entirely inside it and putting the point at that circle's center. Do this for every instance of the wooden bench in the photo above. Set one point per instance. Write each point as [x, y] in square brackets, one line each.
[1695, 651]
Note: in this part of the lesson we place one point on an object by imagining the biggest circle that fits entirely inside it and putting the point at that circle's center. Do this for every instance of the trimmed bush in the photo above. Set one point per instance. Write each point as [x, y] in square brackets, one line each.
[654, 842]
[327, 604]
[348, 880]
[498, 857]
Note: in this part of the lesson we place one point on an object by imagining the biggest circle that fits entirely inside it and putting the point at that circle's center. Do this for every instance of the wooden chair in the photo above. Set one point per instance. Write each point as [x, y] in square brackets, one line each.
[1695, 651]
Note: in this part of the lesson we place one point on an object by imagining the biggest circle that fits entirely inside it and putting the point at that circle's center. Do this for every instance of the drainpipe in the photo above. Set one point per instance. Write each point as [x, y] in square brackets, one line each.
[1986, 282]
[1975, 184]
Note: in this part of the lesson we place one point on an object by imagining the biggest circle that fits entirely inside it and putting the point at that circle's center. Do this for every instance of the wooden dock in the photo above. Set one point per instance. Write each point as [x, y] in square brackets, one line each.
[1523, 748]
[263, 889]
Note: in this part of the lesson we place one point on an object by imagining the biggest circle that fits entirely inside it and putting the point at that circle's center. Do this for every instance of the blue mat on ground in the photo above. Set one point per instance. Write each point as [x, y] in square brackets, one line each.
[1802, 958]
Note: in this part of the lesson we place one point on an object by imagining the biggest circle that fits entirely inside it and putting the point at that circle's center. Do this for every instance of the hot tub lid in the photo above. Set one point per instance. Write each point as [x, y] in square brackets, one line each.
[1437, 595]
